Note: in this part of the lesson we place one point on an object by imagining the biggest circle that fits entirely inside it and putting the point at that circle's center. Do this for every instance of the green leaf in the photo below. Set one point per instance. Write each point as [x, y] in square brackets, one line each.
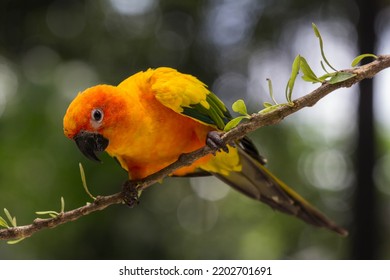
[234, 122]
[318, 35]
[294, 73]
[49, 212]
[84, 181]
[12, 242]
[240, 107]
[359, 58]
[3, 223]
[308, 74]
[316, 31]
[62, 210]
[267, 104]
[324, 68]
[327, 75]
[11, 219]
[271, 90]
[341, 77]
[7, 214]
[271, 108]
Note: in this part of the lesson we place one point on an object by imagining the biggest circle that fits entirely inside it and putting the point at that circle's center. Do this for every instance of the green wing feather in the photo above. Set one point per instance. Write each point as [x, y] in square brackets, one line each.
[216, 115]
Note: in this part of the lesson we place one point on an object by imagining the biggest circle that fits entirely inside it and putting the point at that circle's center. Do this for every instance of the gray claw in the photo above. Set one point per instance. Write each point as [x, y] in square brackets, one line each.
[215, 142]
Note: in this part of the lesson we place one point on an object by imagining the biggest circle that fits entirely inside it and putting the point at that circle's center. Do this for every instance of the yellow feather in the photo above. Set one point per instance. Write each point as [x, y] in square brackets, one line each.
[224, 163]
[176, 90]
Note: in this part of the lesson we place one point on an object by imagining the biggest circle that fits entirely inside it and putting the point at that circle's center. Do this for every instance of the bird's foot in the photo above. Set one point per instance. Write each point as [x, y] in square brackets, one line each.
[215, 142]
[130, 193]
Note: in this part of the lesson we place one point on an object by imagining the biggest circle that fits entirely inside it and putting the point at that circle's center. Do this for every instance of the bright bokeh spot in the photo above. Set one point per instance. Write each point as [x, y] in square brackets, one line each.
[8, 83]
[132, 7]
[209, 188]
[197, 215]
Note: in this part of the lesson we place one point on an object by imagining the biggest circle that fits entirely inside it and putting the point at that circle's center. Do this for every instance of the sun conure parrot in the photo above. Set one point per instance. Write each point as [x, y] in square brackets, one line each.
[152, 117]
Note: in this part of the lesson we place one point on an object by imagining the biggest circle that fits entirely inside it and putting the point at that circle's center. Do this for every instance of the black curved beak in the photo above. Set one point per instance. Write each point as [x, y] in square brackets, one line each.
[90, 143]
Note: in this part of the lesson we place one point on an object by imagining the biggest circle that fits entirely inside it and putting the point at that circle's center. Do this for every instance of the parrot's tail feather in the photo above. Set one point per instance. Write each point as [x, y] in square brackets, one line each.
[259, 183]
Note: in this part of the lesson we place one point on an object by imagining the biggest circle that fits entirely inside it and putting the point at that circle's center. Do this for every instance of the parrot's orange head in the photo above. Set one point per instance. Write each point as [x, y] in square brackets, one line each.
[92, 117]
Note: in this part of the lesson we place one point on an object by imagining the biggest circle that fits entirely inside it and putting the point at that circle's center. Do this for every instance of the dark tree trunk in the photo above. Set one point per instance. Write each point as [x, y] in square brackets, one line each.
[364, 237]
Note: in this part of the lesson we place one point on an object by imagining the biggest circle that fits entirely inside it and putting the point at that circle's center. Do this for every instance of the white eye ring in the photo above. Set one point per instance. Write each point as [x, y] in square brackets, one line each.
[97, 115]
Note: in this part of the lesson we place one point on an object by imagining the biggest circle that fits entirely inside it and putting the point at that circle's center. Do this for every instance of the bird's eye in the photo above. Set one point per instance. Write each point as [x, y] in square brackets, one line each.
[97, 115]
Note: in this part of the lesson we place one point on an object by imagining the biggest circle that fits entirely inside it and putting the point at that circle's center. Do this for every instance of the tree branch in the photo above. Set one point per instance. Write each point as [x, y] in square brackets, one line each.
[255, 122]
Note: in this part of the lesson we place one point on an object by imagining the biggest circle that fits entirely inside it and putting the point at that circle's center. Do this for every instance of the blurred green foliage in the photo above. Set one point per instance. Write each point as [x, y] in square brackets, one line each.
[50, 50]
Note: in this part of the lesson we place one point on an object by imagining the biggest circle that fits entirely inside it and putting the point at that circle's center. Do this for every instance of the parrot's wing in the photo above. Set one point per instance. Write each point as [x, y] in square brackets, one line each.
[188, 96]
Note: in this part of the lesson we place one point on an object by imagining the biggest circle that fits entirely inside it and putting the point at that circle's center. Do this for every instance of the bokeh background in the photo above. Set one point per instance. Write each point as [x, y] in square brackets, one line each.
[335, 154]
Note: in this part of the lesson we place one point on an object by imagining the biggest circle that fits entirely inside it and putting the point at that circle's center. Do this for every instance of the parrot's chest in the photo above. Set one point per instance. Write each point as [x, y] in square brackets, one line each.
[158, 143]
